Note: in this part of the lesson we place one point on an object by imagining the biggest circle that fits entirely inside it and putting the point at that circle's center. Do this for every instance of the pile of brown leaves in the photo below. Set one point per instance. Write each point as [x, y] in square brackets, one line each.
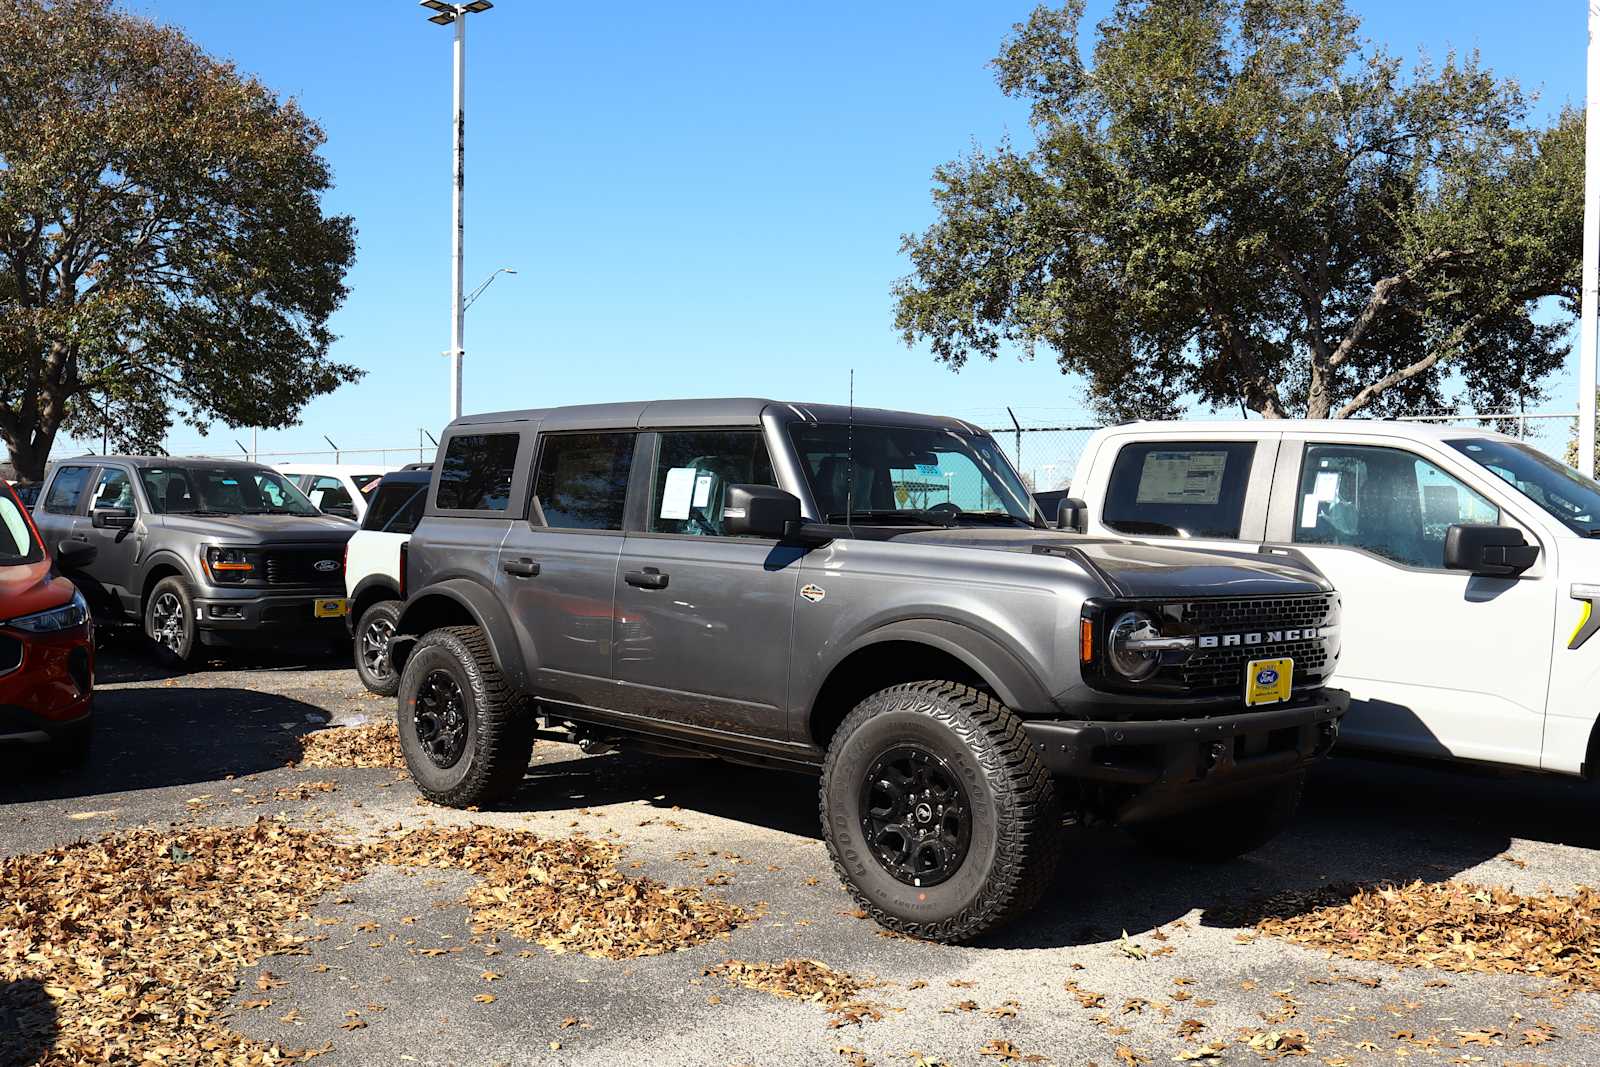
[138, 938]
[808, 980]
[566, 893]
[1452, 927]
[372, 744]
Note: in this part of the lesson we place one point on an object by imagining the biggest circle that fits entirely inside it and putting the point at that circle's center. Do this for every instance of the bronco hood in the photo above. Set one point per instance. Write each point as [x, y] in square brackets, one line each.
[262, 529]
[1130, 569]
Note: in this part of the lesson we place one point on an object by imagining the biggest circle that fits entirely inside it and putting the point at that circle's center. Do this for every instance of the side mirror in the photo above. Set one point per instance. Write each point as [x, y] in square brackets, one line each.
[1490, 551]
[340, 511]
[1072, 514]
[111, 518]
[75, 555]
[759, 511]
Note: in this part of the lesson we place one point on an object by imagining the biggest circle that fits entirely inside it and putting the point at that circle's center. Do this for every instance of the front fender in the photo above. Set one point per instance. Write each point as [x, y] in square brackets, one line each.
[460, 602]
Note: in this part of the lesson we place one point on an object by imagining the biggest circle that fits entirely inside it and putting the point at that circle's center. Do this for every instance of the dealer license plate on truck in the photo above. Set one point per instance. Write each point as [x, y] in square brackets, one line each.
[1267, 681]
[331, 608]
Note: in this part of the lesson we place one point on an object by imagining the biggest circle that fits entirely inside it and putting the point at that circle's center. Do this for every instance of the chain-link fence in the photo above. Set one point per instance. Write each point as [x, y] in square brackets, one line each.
[1045, 456]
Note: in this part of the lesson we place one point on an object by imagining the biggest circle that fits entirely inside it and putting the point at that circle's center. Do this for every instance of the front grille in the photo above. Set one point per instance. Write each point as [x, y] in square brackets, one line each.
[10, 653]
[298, 566]
[1221, 670]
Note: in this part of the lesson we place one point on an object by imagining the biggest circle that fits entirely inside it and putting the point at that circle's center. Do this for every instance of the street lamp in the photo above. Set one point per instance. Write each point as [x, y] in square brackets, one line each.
[473, 296]
[445, 14]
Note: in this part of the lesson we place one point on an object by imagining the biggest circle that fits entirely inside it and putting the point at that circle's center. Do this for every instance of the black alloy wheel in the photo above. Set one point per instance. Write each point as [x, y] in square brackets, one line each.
[915, 816]
[441, 719]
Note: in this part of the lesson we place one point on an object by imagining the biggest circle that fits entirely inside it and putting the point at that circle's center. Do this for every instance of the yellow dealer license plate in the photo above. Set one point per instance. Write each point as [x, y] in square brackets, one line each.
[332, 608]
[1267, 681]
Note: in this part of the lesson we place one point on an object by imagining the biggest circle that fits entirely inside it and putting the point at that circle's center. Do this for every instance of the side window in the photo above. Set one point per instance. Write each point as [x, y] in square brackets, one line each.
[1392, 503]
[113, 490]
[396, 508]
[476, 472]
[692, 475]
[582, 480]
[65, 489]
[326, 492]
[1179, 488]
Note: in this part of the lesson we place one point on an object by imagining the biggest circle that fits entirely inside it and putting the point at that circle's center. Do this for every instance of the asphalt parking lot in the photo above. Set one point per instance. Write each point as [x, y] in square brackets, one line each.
[1132, 959]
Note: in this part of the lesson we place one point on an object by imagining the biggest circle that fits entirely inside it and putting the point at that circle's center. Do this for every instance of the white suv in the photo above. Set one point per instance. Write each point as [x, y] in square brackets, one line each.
[372, 572]
[1468, 563]
[342, 489]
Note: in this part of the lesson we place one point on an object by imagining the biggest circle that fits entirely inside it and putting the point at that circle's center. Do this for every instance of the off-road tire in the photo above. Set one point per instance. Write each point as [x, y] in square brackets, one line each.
[384, 611]
[188, 639]
[1217, 833]
[499, 723]
[1015, 829]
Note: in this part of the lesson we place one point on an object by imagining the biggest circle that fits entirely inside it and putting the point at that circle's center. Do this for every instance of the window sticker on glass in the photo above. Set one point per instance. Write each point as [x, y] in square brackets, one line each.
[1324, 491]
[702, 489]
[1181, 478]
[677, 494]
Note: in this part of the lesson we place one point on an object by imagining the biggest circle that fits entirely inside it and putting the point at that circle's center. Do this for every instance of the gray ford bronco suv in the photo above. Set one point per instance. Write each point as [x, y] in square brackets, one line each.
[871, 595]
[198, 551]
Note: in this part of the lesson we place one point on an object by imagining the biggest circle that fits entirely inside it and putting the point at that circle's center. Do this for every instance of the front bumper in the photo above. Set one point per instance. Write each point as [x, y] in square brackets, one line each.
[240, 615]
[1233, 752]
[51, 690]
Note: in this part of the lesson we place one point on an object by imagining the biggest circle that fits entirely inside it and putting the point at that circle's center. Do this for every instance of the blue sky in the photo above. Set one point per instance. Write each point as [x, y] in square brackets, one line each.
[700, 199]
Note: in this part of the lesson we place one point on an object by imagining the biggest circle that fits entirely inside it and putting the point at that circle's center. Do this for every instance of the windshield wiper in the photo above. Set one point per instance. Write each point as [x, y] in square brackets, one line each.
[912, 516]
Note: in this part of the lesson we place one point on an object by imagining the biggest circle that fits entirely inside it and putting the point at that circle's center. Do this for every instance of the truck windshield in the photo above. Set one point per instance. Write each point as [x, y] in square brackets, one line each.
[916, 474]
[222, 491]
[1555, 487]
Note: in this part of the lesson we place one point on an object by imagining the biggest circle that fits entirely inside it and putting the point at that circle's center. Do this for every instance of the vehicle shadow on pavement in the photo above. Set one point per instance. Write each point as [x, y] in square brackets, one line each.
[125, 656]
[165, 736]
[28, 1026]
[1363, 821]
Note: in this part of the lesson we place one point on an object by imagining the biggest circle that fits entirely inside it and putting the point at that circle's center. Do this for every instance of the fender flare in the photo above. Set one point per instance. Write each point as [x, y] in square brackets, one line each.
[486, 613]
[1012, 681]
[375, 581]
[167, 557]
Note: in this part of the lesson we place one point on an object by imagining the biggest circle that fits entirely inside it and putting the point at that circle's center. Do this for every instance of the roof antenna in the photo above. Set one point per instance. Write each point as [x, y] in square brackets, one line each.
[850, 452]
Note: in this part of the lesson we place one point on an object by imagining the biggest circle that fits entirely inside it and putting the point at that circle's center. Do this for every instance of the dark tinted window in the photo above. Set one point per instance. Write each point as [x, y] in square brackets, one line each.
[65, 490]
[1179, 488]
[693, 473]
[396, 508]
[476, 472]
[582, 481]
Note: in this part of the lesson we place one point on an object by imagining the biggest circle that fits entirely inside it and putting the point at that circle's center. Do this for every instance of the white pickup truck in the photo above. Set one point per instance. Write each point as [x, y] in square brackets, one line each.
[1468, 564]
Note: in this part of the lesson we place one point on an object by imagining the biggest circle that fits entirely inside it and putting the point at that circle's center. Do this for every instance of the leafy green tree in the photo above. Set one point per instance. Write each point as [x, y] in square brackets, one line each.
[1242, 201]
[163, 251]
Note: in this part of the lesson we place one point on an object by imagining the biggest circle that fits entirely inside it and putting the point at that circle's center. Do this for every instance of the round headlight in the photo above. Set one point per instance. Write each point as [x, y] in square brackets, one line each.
[1132, 665]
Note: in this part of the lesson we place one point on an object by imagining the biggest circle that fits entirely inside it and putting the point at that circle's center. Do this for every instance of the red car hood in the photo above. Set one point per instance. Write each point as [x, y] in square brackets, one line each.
[30, 587]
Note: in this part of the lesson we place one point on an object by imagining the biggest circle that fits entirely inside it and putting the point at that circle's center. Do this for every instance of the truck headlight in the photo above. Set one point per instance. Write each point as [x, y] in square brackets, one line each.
[68, 616]
[1127, 646]
[230, 566]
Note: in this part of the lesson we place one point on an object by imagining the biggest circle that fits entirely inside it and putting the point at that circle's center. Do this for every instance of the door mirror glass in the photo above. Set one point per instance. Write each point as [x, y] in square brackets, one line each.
[759, 511]
[1488, 551]
[111, 518]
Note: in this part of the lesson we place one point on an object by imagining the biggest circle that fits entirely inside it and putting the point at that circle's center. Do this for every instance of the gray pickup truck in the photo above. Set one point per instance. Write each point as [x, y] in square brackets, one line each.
[198, 551]
[871, 595]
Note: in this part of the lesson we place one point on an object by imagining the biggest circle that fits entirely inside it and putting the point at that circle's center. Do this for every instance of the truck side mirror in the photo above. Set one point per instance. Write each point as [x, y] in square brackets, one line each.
[1489, 551]
[1072, 514]
[759, 511]
[111, 518]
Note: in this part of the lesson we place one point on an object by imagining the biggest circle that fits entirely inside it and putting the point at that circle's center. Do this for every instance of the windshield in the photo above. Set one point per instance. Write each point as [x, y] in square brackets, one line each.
[17, 543]
[920, 474]
[222, 491]
[1555, 487]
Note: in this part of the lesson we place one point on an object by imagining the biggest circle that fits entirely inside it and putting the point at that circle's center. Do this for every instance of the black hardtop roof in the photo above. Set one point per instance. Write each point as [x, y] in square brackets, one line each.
[714, 411]
[409, 476]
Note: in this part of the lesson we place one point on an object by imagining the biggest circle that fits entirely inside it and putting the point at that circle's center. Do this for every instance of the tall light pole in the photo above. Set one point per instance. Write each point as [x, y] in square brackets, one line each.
[1587, 334]
[445, 14]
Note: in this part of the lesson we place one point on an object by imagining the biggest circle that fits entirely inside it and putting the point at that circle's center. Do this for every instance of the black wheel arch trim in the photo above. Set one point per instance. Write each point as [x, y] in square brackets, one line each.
[1017, 687]
[371, 582]
[166, 557]
[486, 612]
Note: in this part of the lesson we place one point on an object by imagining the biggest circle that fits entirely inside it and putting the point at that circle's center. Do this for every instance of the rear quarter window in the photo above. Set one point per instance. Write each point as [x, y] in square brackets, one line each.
[1179, 488]
[477, 471]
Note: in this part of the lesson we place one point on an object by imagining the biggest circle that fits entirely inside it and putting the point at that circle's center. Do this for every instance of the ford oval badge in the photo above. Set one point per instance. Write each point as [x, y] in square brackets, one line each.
[1266, 676]
[326, 566]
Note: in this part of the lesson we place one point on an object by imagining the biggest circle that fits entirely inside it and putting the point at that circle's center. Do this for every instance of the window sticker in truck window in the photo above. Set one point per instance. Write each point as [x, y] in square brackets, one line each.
[1182, 478]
